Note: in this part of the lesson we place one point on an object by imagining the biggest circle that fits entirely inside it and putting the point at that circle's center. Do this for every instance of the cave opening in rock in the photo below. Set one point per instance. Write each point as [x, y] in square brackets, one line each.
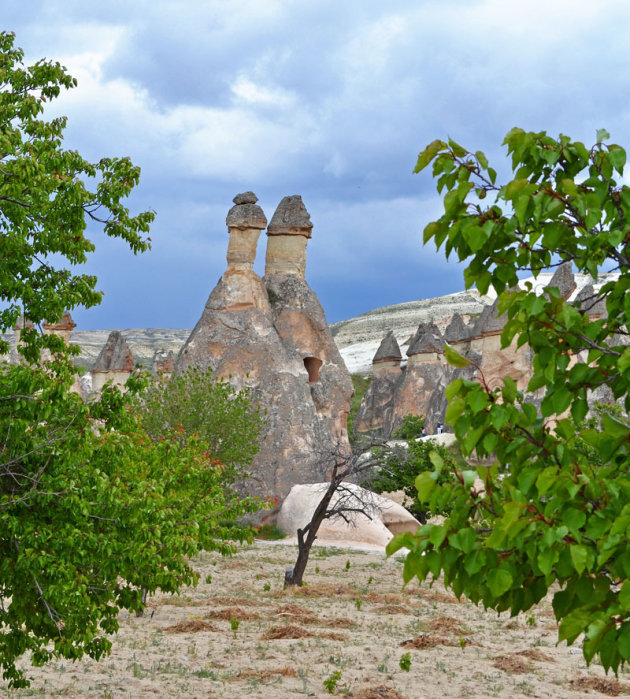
[312, 366]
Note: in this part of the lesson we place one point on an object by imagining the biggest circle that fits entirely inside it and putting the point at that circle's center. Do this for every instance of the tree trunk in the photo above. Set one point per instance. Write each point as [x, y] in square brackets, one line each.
[295, 575]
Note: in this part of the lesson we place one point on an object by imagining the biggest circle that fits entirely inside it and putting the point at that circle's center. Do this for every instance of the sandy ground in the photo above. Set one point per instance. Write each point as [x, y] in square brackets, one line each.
[244, 636]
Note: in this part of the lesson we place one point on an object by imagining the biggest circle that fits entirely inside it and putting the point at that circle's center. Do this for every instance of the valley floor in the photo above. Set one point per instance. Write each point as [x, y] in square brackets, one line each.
[244, 636]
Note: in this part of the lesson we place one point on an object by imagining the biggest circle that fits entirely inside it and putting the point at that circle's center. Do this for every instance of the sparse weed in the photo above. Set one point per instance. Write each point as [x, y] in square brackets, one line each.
[330, 683]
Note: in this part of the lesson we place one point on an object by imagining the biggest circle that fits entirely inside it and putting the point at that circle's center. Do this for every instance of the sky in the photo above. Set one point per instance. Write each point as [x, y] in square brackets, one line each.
[330, 100]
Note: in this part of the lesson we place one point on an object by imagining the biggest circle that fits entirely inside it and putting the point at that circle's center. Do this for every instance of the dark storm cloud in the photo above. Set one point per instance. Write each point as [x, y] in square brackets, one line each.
[329, 100]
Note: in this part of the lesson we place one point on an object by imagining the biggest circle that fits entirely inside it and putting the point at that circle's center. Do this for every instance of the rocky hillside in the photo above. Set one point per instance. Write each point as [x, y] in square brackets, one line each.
[358, 338]
[142, 342]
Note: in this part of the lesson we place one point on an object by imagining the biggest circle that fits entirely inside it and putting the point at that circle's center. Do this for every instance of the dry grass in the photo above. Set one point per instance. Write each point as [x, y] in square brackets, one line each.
[339, 623]
[229, 613]
[535, 654]
[293, 631]
[603, 685]
[289, 631]
[426, 641]
[393, 609]
[292, 640]
[323, 589]
[447, 624]
[266, 675]
[380, 692]
[296, 613]
[512, 663]
[439, 597]
[192, 626]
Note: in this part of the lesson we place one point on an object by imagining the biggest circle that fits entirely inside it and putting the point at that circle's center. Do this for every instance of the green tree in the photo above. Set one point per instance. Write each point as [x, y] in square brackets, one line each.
[92, 510]
[45, 202]
[226, 420]
[401, 465]
[550, 515]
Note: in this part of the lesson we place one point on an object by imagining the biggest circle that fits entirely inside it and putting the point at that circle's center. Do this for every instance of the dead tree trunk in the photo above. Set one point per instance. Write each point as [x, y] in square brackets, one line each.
[344, 466]
[295, 575]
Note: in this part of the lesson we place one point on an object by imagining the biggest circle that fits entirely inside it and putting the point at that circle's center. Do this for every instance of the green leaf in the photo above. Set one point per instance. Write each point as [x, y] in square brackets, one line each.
[475, 562]
[483, 161]
[427, 155]
[509, 389]
[623, 363]
[602, 135]
[425, 483]
[574, 519]
[623, 640]
[624, 595]
[546, 559]
[437, 535]
[617, 157]
[454, 358]
[457, 149]
[573, 625]
[398, 542]
[614, 427]
[546, 479]
[579, 556]
[463, 540]
[499, 581]
[436, 460]
[453, 389]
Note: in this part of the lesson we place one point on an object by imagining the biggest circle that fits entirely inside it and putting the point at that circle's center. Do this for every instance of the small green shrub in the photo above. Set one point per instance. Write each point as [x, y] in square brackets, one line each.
[268, 532]
[412, 427]
[330, 683]
[360, 384]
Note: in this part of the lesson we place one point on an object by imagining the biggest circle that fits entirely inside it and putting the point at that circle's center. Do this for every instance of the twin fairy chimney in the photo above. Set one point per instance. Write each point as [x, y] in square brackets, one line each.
[271, 336]
[419, 387]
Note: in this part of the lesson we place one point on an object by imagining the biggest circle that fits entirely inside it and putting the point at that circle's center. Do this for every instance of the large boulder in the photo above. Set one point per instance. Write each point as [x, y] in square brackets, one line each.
[375, 524]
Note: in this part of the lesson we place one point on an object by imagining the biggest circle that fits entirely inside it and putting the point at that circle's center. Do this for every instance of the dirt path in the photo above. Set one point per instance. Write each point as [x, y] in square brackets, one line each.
[243, 636]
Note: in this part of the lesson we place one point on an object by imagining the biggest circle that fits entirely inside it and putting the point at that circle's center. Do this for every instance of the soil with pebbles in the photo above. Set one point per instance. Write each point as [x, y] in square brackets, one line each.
[242, 635]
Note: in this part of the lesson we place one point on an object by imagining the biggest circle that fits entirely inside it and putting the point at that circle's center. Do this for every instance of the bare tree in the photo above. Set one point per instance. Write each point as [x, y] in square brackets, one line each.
[339, 499]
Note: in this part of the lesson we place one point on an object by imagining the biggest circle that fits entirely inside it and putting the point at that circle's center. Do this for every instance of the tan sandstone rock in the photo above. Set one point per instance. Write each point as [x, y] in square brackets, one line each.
[115, 363]
[378, 400]
[272, 337]
[380, 520]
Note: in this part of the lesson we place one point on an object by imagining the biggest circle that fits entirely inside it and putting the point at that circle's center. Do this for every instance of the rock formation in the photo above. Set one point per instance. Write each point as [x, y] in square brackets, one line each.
[377, 520]
[63, 328]
[419, 388]
[425, 378]
[114, 363]
[163, 363]
[272, 337]
[378, 400]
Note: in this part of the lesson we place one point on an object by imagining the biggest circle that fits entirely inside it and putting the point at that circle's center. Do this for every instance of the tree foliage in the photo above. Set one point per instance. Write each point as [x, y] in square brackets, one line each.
[45, 201]
[401, 466]
[549, 513]
[226, 420]
[92, 514]
[93, 511]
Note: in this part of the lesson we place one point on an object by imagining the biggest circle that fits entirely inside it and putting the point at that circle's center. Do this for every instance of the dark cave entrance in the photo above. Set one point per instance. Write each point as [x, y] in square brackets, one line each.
[312, 366]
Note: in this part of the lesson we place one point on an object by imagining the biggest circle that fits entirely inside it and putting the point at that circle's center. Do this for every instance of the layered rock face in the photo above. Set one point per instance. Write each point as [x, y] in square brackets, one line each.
[271, 335]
